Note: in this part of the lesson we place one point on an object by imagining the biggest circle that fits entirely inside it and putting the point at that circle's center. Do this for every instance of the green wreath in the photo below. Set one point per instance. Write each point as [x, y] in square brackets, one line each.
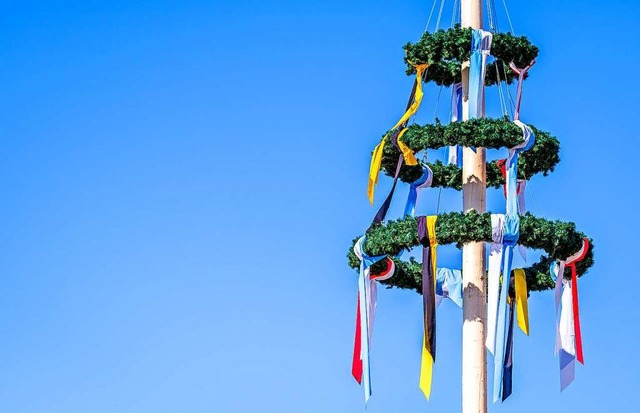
[481, 132]
[446, 50]
[558, 239]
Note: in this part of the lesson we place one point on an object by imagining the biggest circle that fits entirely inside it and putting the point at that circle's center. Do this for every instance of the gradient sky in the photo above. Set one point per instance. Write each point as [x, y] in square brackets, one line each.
[181, 180]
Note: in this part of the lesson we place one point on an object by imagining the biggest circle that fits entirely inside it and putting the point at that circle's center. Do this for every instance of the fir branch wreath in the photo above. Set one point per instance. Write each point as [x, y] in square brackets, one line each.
[558, 239]
[446, 50]
[481, 132]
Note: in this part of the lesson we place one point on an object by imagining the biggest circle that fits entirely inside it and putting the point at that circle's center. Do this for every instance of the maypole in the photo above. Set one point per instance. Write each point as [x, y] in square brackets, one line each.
[493, 295]
[474, 355]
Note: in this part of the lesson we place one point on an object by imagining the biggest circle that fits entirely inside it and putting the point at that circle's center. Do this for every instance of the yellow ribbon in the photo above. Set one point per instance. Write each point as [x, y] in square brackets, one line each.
[521, 300]
[407, 153]
[376, 161]
[376, 158]
[426, 368]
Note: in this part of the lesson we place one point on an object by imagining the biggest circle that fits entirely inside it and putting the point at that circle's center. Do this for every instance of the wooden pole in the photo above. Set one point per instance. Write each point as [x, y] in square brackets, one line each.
[474, 355]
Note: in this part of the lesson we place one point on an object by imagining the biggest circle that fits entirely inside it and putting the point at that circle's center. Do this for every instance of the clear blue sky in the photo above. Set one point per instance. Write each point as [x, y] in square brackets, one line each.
[180, 182]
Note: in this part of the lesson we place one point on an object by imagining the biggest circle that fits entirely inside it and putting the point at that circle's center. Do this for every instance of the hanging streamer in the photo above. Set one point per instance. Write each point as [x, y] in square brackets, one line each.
[367, 292]
[427, 237]
[493, 288]
[423, 182]
[480, 50]
[455, 151]
[509, 239]
[568, 333]
[412, 108]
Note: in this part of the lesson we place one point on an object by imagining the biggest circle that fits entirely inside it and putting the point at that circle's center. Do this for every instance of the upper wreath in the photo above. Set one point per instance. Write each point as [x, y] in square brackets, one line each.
[446, 50]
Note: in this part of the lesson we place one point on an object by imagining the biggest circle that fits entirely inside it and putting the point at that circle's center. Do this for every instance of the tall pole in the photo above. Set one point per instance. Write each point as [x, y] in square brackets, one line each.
[474, 355]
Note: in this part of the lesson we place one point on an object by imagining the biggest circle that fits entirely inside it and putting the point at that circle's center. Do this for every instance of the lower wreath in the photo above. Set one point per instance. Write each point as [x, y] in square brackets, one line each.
[558, 239]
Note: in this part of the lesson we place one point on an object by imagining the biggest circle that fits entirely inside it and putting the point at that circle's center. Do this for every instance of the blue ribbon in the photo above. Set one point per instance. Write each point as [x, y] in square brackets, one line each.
[422, 182]
[510, 239]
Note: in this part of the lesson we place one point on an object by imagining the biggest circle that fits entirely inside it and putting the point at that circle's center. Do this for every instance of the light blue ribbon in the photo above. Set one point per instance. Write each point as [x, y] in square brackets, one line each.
[529, 139]
[480, 47]
[366, 262]
[510, 239]
[449, 281]
[423, 182]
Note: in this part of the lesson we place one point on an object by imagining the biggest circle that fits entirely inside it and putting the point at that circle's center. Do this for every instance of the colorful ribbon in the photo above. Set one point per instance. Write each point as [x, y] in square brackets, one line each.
[568, 333]
[423, 182]
[427, 237]
[412, 108]
[367, 300]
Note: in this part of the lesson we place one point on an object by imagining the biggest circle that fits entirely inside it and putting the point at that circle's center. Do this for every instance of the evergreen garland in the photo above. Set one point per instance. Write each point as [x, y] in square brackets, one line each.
[446, 50]
[558, 239]
[481, 132]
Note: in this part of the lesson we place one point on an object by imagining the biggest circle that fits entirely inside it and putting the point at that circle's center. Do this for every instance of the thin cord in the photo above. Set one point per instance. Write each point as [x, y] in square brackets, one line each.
[454, 14]
[426, 28]
[440, 15]
[506, 9]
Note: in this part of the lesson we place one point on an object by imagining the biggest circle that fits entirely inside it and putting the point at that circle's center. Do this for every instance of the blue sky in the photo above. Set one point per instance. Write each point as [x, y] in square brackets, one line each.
[180, 182]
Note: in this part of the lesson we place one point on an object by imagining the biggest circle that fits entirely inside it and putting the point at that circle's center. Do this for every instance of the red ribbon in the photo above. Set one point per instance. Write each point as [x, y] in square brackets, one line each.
[574, 295]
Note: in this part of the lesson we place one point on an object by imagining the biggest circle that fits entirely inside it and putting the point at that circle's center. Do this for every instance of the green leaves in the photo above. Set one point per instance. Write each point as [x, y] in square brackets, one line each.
[558, 239]
[481, 132]
[446, 50]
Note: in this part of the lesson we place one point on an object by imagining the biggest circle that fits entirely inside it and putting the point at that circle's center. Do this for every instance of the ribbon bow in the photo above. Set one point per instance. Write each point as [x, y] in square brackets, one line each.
[568, 334]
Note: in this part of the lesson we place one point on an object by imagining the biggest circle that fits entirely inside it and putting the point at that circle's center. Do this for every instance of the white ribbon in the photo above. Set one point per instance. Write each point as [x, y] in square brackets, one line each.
[493, 290]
